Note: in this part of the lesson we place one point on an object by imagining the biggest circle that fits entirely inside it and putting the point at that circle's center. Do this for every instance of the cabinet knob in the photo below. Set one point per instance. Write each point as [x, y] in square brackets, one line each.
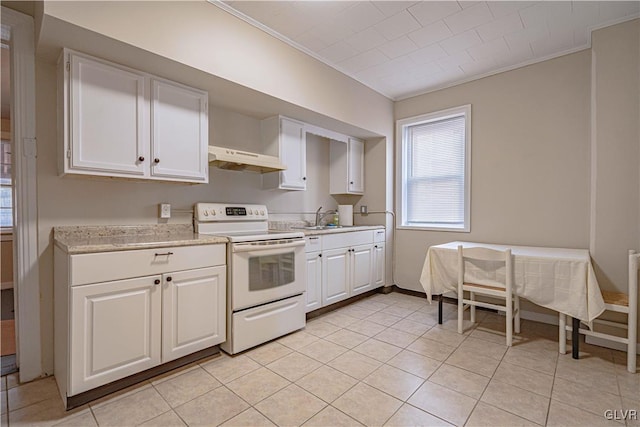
[169, 279]
[156, 160]
[375, 246]
[351, 182]
[304, 178]
[157, 281]
[320, 255]
[141, 159]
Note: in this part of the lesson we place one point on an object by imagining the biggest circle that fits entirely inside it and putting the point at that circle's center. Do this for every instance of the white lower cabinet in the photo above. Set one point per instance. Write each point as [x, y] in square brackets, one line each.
[108, 330]
[193, 311]
[115, 331]
[313, 295]
[348, 264]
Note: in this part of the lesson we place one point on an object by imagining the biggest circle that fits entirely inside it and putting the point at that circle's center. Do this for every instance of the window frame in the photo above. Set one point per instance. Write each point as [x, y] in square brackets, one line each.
[402, 166]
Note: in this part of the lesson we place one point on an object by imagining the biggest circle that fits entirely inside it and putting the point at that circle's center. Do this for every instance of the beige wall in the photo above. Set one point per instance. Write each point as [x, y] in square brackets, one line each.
[615, 220]
[529, 159]
[6, 262]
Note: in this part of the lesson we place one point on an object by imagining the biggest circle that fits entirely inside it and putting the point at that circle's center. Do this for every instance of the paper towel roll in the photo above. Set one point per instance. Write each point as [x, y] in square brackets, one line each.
[345, 212]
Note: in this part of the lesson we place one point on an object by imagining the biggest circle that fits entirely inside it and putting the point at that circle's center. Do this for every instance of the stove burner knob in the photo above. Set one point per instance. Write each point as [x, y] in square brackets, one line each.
[206, 213]
[250, 212]
[213, 212]
[261, 212]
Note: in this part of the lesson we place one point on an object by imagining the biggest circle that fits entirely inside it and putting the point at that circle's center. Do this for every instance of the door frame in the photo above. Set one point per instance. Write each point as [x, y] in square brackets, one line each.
[26, 266]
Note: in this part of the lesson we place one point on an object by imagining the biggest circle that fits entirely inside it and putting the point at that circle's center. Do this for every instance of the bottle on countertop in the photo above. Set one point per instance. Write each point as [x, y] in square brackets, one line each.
[336, 220]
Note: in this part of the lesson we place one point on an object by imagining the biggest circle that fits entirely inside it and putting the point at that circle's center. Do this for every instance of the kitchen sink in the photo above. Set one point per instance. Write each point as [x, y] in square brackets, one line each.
[322, 227]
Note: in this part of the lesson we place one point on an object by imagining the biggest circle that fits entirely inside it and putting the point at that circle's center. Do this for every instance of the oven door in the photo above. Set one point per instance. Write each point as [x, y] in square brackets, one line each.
[266, 271]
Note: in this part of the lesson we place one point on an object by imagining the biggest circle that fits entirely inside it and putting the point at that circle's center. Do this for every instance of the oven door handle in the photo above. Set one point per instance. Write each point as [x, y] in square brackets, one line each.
[249, 247]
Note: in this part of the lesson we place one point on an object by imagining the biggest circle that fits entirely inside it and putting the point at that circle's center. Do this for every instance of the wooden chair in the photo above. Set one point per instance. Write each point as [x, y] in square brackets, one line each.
[620, 303]
[493, 288]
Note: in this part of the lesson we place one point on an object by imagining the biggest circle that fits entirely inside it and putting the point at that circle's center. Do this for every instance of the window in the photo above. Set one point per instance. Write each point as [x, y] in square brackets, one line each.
[435, 155]
[6, 187]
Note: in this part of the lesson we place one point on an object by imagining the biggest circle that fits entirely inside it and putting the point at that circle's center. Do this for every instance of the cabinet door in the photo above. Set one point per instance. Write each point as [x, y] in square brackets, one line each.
[193, 311]
[356, 166]
[106, 119]
[378, 265]
[179, 133]
[115, 331]
[361, 259]
[314, 281]
[335, 275]
[293, 154]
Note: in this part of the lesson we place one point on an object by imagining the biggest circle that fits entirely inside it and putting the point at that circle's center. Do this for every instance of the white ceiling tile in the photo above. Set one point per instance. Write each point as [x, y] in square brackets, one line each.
[397, 25]
[520, 40]
[585, 13]
[398, 47]
[461, 42]
[338, 52]
[387, 68]
[311, 41]
[557, 41]
[617, 9]
[500, 27]
[551, 12]
[514, 58]
[366, 40]
[493, 49]
[321, 11]
[581, 37]
[363, 60]
[289, 22]
[428, 54]
[478, 67]
[390, 8]
[469, 18]
[330, 34]
[467, 4]
[503, 8]
[430, 34]
[259, 10]
[427, 12]
[426, 69]
[454, 61]
[363, 15]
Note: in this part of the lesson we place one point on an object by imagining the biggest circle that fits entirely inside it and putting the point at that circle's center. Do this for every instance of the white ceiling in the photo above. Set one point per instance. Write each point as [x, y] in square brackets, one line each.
[404, 48]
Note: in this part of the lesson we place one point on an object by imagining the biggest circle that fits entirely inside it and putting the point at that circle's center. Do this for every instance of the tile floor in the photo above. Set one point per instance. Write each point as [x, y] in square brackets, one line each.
[380, 361]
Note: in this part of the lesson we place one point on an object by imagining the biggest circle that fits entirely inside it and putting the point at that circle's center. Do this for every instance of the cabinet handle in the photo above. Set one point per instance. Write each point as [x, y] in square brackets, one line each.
[351, 182]
[157, 281]
[320, 255]
[141, 159]
[375, 246]
[164, 254]
[156, 160]
[313, 238]
[169, 279]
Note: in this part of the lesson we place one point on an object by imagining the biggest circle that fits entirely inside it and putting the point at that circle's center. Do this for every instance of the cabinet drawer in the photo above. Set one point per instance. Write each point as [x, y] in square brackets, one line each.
[106, 266]
[313, 243]
[343, 240]
[379, 236]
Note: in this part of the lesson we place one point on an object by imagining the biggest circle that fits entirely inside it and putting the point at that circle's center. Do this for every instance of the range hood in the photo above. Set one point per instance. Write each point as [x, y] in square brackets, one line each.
[229, 158]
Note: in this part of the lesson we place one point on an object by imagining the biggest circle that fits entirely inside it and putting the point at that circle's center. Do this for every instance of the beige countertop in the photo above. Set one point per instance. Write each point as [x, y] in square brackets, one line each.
[90, 239]
[335, 230]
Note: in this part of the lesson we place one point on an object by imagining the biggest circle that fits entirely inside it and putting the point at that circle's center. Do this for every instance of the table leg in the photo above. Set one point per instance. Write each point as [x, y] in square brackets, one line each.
[440, 309]
[575, 338]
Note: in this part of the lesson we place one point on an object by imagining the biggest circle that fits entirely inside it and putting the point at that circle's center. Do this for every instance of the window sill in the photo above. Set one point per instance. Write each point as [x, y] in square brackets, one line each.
[427, 228]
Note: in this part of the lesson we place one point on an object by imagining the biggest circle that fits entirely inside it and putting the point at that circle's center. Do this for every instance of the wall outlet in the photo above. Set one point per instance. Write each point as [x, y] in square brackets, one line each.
[363, 209]
[165, 210]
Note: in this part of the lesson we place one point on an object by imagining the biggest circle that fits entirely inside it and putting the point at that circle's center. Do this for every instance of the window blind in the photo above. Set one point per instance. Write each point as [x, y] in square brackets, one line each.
[435, 173]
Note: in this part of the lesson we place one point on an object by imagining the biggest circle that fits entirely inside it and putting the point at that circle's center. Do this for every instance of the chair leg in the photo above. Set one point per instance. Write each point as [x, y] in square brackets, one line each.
[472, 309]
[562, 332]
[632, 336]
[517, 316]
[460, 312]
[509, 319]
[440, 309]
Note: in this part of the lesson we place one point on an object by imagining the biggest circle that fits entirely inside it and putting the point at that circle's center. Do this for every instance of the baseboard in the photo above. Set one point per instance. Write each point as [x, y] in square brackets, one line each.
[6, 285]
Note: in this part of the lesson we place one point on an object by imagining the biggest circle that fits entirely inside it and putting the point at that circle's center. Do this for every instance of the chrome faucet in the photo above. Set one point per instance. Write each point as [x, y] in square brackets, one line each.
[320, 215]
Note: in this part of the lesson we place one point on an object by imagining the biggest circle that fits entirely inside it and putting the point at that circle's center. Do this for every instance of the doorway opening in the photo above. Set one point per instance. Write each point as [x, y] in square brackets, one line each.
[7, 214]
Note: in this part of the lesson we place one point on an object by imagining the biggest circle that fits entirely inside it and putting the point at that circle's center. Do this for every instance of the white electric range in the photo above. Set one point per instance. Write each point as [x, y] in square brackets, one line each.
[266, 273]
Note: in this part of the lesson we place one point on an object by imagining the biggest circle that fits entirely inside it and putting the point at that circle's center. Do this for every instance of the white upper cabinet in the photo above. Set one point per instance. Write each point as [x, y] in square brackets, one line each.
[179, 132]
[106, 112]
[346, 167]
[285, 139]
[116, 122]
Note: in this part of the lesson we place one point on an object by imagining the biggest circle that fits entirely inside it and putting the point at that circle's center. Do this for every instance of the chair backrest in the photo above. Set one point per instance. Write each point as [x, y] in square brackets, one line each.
[489, 257]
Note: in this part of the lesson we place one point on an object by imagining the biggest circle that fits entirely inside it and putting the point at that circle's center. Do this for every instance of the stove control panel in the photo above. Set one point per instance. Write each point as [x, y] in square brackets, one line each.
[212, 212]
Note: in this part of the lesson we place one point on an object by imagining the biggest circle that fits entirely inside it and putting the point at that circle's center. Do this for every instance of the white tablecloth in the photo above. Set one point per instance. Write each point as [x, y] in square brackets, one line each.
[562, 280]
